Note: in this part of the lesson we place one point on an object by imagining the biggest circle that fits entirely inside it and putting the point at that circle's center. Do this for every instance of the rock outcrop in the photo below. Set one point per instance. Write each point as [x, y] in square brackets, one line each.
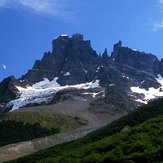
[73, 61]
[8, 91]
[133, 58]
[70, 55]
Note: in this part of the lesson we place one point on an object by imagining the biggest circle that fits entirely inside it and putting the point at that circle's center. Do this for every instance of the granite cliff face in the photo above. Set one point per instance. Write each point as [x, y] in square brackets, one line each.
[7, 91]
[138, 60]
[69, 56]
[128, 78]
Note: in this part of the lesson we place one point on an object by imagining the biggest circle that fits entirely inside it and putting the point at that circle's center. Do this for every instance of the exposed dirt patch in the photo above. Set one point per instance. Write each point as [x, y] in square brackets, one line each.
[91, 116]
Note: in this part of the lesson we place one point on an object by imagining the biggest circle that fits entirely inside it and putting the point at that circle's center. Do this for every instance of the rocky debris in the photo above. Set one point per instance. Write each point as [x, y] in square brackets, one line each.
[119, 98]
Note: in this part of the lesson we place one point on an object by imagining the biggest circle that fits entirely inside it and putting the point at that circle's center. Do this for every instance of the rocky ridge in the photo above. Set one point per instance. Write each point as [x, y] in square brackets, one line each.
[128, 78]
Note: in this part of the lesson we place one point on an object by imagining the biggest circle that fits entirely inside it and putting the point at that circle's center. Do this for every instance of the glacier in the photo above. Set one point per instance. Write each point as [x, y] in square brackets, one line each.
[43, 92]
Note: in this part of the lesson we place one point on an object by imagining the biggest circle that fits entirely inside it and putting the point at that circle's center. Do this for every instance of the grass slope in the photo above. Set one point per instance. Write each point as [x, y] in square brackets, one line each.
[101, 146]
[142, 143]
[24, 125]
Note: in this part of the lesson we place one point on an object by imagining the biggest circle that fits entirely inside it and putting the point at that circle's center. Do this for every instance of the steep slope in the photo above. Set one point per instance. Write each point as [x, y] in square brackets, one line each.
[87, 118]
[21, 126]
[7, 91]
[70, 57]
[134, 58]
[143, 143]
[118, 141]
[132, 77]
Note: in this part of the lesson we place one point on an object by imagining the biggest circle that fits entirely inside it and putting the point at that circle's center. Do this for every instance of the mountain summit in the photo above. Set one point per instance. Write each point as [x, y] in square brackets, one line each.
[70, 57]
[125, 80]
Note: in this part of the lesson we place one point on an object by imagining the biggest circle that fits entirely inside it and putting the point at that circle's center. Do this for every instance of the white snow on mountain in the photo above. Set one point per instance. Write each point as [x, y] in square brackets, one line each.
[94, 94]
[111, 85]
[134, 49]
[67, 74]
[43, 92]
[64, 35]
[151, 93]
[85, 71]
[160, 79]
[95, 84]
[46, 84]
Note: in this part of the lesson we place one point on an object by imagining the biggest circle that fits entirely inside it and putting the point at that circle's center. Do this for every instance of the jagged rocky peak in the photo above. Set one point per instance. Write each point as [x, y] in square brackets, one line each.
[71, 56]
[77, 36]
[129, 75]
[105, 54]
[116, 49]
[136, 59]
[64, 41]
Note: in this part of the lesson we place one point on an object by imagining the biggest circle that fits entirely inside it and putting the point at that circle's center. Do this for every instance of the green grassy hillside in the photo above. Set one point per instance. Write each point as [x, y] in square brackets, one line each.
[141, 143]
[118, 141]
[133, 118]
[24, 125]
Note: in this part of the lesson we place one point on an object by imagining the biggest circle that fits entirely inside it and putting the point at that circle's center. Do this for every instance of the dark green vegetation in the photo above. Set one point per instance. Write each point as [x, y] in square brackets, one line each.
[133, 118]
[12, 131]
[20, 126]
[142, 143]
[119, 141]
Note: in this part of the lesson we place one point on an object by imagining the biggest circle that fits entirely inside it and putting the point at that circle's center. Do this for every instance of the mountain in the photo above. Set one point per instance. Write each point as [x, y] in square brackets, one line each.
[136, 137]
[69, 58]
[123, 81]
[74, 88]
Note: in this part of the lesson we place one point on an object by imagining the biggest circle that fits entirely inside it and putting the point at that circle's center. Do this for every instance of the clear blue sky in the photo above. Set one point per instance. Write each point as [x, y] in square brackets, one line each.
[27, 27]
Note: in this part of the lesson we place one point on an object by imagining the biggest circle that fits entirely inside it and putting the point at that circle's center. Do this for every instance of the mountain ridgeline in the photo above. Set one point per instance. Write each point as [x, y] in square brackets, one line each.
[76, 56]
[73, 55]
[73, 61]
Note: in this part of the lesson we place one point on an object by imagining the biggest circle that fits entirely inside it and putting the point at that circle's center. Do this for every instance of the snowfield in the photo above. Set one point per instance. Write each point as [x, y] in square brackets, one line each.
[151, 93]
[43, 92]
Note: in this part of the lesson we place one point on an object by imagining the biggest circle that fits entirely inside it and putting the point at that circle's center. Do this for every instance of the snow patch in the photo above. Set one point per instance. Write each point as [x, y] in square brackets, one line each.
[95, 84]
[142, 81]
[98, 68]
[135, 49]
[151, 93]
[21, 81]
[111, 85]
[125, 77]
[64, 35]
[46, 84]
[141, 101]
[94, 94]
[43, 92]
[67, 74]
[160, 79]
[85, 71]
